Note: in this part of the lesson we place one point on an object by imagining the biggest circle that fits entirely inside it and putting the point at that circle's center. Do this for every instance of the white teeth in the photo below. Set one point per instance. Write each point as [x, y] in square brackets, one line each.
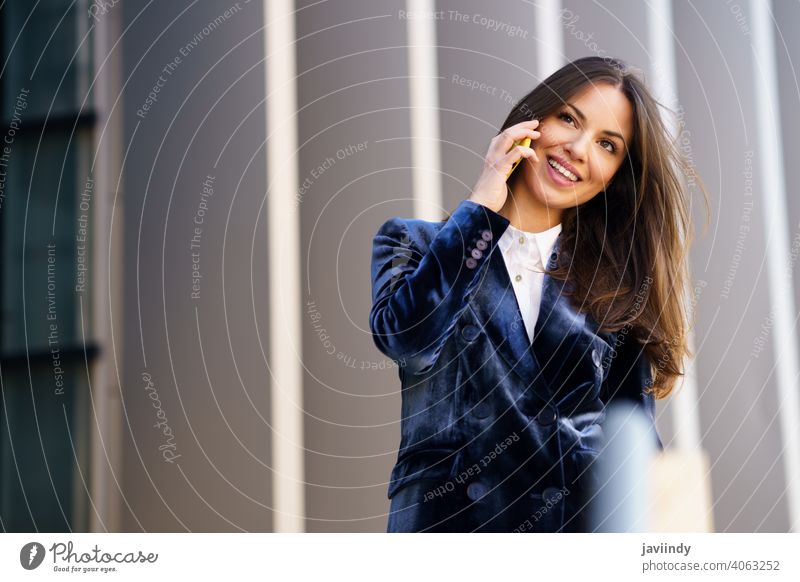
[562, 170]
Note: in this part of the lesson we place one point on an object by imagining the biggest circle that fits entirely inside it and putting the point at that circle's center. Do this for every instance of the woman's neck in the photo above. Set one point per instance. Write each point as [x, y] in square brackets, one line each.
[525, 212]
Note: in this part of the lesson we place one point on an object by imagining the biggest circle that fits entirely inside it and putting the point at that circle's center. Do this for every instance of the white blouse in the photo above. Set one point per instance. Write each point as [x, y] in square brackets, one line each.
[523, 252]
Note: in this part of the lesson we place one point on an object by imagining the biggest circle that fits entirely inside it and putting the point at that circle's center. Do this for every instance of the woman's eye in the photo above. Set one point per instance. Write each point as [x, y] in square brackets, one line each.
[611, 143]
[566, 116]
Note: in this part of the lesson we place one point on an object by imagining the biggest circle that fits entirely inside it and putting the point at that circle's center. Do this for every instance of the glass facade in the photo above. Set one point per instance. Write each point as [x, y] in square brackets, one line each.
[46, 349]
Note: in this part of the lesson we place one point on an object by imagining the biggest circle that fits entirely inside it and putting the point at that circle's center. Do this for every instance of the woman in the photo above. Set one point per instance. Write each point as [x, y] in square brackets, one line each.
[542, 298]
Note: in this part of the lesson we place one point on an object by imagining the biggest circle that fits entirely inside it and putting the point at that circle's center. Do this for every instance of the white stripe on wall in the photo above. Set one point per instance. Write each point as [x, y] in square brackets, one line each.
[550, 33]
[285, 352]
[773, 189]
[424, 103]
[107, 305]
[684, 401]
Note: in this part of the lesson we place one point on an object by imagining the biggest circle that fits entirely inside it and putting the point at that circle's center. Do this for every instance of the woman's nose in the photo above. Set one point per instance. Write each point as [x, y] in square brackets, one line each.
[577, 147]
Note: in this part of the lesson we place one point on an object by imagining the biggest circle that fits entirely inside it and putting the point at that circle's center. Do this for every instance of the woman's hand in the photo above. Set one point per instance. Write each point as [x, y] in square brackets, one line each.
[491, 189]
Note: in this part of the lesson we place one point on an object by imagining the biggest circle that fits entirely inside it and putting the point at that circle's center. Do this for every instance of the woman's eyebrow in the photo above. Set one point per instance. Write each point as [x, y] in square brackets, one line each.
[583, 118]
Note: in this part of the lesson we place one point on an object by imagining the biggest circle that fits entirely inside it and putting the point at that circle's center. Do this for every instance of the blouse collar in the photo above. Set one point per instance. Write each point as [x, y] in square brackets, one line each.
[543, 240]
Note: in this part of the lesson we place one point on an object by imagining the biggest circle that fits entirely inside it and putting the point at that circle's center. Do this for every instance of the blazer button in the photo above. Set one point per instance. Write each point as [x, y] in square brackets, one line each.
[472, 263]
[596, 358]
[486, 235]
[481, 244]
[476, 253]
[476, 490]
[547, 416]
[553, 256]
[483, 409]
[551, 494]
[469, 332]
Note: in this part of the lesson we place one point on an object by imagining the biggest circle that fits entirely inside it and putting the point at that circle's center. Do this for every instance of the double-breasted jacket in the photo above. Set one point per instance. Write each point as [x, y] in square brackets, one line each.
[498, 433]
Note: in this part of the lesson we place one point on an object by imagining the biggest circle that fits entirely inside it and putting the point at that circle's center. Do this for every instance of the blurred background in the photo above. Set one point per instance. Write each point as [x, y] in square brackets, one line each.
[188, 195]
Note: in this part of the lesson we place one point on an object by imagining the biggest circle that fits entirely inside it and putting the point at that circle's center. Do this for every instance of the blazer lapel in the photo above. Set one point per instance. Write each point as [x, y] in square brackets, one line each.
[557, 320]
[497, 310]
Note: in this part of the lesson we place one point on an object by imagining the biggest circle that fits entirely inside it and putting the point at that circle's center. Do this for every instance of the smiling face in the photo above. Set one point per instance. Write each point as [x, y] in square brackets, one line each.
[588, 136]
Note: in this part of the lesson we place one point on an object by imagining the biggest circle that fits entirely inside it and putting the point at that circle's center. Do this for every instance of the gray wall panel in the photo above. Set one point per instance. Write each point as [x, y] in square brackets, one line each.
[737, 391]
[354, 173]
[221, 481]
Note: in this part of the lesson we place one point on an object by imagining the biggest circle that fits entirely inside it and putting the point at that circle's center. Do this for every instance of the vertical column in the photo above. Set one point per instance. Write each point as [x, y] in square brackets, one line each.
[424, 103]
[686, 416]
[285, 360]
[107, 293]
[773, 188]
[550, 55]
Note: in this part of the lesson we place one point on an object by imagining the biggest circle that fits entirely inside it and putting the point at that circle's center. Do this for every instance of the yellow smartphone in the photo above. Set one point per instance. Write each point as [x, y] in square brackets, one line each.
[524, 142]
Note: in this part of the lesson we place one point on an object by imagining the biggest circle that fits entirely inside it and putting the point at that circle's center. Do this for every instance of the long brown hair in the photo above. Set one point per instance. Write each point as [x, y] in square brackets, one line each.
[624, 252]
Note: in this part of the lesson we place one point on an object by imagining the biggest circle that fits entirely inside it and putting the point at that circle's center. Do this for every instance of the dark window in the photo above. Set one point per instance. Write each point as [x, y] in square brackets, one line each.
[46, 348]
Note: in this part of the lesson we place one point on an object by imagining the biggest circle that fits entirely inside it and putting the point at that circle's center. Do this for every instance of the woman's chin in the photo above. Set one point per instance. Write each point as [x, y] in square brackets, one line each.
[543, 192]
[551, 196]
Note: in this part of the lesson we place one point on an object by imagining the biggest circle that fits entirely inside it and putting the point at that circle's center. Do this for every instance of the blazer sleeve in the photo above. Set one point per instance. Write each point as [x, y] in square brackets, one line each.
[629, 375]
[417, 297]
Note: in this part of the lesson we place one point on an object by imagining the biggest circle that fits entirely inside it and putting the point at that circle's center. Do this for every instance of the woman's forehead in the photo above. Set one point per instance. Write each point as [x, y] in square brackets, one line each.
[605, 108]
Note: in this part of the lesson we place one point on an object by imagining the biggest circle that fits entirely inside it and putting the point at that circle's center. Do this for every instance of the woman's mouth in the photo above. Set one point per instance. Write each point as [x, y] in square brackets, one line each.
[557, 173]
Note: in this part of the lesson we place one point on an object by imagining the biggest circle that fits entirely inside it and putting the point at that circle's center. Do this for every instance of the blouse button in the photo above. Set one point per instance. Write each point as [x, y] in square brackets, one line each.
[522, 240]
[518, 278]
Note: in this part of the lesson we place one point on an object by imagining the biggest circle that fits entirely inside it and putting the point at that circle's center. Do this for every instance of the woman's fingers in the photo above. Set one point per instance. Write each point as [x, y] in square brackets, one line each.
[491, 189]
[502, 142]
[516, 153]
[516, 131]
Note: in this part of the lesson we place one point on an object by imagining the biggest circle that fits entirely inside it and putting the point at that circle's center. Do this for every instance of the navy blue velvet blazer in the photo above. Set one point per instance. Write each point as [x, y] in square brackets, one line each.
[497, 433]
